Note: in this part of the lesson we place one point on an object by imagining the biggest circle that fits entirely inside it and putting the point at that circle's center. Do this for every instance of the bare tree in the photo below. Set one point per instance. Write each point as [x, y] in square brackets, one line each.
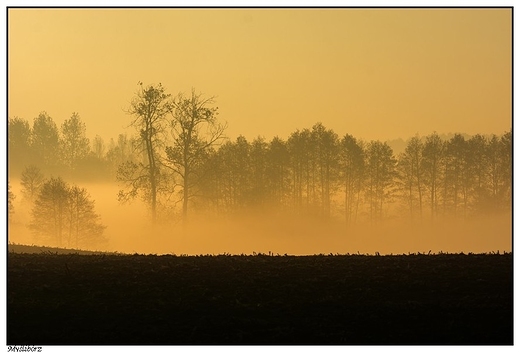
[49, 211]
[64, 215]
[10, 201]
[32, 181]
[148, 108]
[195, 129]
[84, 227]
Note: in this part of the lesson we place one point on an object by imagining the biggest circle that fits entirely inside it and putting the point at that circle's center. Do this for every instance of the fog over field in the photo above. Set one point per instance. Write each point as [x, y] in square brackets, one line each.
[129, 231]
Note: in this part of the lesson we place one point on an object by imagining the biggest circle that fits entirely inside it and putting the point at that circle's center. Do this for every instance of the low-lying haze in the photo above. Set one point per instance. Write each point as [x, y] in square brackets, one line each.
[129, 231]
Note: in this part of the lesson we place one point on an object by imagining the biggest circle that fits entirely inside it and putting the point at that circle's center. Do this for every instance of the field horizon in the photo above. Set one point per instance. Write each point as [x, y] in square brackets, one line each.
[19, 248]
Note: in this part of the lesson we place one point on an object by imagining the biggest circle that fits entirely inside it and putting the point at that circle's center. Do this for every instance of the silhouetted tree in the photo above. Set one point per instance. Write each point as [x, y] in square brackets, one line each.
[236, 173]
[303, 169]
[326, 152]
[84, 228]
[32, 180]
[478, 171]
[49, 214]
[499, 172]
[380, 173]
[432, 166]
[313, 205]
[494, 164]
[207, 196]
[506, 171]
[277, 170]
[352, 167]
[98, 147]
[195, 130]
[64, 215]
[456, 183]
[149, 109]
[411, 173]
[10, 202]
[74, 143]
[297, 161]
[19, 143]
[45, 142]
[405, 182]
[259, 194]
[120, 152]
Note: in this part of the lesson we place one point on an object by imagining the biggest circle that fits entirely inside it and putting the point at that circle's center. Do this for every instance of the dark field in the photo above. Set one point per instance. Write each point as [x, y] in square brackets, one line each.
[72, 299]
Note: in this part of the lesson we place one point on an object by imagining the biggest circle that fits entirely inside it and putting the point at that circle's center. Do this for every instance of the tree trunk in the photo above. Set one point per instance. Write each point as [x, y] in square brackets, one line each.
[185, 200]
[152, 172]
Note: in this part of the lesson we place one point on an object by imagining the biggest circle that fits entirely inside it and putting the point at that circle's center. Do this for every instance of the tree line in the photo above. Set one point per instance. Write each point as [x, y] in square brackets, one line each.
[316, 173]
[65, 150]
[178, 161]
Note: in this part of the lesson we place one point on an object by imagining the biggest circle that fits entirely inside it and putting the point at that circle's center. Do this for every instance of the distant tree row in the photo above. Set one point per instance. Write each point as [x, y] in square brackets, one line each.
[65, 151]
[178, 157]
[316, 173]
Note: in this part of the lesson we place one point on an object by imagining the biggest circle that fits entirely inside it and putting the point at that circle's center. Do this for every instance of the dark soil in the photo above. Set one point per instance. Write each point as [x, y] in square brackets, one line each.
[71, 299]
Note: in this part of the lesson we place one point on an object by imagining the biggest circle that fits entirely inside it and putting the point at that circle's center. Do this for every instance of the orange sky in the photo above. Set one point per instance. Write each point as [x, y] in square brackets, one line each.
[373, 73]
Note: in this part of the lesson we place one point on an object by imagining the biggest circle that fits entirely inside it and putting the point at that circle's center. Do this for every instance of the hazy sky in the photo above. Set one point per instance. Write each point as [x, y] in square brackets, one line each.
[373, 73]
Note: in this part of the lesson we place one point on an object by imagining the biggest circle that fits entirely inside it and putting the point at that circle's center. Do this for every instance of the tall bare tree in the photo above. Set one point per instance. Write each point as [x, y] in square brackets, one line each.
[148, 109]
[195, 130]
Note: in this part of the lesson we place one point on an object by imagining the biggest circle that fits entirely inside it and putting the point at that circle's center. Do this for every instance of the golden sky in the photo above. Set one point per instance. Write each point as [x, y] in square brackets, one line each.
[373, 73]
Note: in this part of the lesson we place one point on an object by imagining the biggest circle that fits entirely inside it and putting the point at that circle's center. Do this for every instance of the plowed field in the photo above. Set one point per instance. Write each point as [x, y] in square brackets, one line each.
[72, 299]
